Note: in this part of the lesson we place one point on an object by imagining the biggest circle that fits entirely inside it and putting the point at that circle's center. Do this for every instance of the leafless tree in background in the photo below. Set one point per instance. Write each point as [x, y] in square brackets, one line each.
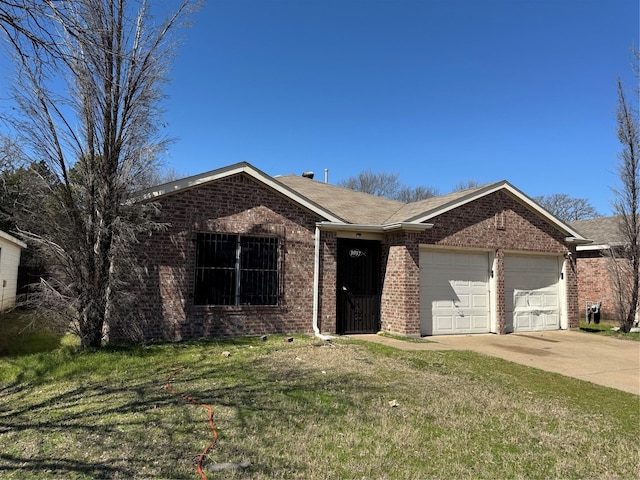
[415, 194]
[89, 78]
[368, 181]
[465, 185]
[386, 185]
[626, 206]
[566, 208]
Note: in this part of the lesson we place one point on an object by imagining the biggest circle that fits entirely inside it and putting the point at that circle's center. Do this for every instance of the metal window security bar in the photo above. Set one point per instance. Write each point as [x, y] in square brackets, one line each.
[234, 269]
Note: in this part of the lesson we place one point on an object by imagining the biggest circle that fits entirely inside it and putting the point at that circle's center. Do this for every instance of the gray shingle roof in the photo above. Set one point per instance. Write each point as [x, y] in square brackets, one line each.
[352, 206]
[602, 230]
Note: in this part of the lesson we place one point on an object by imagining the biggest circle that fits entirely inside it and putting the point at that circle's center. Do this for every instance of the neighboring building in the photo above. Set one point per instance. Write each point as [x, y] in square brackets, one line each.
[594, 264]
[245, 253]
[10, 249]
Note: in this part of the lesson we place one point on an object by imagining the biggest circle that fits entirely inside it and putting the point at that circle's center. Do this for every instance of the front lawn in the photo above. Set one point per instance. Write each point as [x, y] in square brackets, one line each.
[306, 410]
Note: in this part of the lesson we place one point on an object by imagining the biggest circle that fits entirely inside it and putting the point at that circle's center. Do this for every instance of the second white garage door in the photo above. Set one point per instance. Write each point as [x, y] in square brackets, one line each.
[532, 294]
[454, 292]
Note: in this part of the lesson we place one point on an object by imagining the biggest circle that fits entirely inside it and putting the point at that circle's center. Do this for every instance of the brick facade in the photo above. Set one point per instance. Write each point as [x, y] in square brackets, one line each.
[240, 204]
[596, 283]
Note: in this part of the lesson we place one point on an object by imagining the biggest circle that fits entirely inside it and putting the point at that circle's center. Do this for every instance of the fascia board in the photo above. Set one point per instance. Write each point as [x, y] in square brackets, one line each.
[601, 246]
[360, 227]
[243, 167]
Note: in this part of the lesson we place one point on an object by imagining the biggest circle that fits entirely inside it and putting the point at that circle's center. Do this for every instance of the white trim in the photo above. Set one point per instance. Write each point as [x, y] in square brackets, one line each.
[365, 227]
[316, 286]
[493, 291]
[601, 246]
[562, 292]
[12, 239]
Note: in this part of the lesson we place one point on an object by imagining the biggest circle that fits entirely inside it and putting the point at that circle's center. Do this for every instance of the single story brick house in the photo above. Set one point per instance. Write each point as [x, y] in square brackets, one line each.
[10, 251]
[594, 264]
[245, 253]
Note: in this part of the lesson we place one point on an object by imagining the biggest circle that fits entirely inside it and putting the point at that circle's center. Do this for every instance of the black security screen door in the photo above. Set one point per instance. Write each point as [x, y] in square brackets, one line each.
[358, 284]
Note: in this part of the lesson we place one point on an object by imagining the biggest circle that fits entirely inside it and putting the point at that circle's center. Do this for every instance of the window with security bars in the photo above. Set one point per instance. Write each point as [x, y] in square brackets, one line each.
[236, 269]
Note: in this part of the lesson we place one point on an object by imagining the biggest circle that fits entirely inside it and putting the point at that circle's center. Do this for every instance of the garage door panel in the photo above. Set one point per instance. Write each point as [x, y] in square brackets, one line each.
[480, 301]
[532, 297]
[444, 323]
[454, 292]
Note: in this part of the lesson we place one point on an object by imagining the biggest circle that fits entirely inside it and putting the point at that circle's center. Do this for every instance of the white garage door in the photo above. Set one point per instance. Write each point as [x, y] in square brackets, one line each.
[532, 295]
[454, 292]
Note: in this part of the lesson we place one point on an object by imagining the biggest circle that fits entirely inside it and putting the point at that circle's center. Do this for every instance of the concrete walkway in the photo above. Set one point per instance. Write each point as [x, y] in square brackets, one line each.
[602, 360]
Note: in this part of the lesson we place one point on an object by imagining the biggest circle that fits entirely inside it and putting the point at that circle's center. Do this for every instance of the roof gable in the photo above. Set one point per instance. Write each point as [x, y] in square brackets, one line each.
[235, 169]
[426, 210]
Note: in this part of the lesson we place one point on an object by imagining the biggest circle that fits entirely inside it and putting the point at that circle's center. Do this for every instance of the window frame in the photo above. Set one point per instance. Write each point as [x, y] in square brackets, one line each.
[252, 278]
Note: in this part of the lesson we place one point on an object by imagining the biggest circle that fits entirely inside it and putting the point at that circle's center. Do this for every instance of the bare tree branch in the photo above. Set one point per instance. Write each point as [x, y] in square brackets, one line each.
[98, 136]
[386, 185]
[626, 206]
[567, 208]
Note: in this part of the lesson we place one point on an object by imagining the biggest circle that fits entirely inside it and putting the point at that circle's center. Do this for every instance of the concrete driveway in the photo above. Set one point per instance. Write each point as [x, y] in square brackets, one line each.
[602, 360]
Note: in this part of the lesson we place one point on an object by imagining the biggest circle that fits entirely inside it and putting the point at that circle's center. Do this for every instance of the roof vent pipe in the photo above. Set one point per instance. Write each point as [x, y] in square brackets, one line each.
[326, 175]
[307, 175]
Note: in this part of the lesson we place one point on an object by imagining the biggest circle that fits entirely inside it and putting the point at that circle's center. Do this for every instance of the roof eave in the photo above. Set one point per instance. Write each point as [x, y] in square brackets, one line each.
[578, 241]
[599, 246]
[364, 227]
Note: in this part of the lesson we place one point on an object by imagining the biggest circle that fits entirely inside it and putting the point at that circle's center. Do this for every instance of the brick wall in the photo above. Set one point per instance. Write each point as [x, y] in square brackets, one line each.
[595, 283]
[236, 204]
[327, 287]
[400, 301]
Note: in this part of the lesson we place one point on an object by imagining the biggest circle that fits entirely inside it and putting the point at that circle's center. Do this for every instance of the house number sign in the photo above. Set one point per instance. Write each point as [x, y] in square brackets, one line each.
[357, 253]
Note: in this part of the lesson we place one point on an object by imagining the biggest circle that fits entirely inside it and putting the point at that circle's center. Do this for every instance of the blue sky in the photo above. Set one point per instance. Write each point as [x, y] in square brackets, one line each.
[438, 91]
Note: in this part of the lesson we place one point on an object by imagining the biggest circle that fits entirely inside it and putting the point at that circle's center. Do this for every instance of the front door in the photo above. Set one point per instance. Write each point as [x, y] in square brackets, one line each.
[358, 284]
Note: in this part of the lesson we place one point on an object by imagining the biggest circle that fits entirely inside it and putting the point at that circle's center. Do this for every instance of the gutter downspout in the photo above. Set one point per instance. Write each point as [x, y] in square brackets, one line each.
[316, 286]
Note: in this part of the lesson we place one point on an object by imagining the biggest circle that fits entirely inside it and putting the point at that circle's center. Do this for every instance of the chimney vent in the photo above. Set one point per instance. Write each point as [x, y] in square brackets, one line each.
[307, 175]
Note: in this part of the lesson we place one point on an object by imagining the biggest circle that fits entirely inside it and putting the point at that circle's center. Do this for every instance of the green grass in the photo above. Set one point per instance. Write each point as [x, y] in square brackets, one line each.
[23, 332]
[306, 410]
[607, 328]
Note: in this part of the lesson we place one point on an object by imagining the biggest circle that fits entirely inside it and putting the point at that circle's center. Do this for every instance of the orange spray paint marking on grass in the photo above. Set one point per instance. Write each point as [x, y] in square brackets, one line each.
[209, 408]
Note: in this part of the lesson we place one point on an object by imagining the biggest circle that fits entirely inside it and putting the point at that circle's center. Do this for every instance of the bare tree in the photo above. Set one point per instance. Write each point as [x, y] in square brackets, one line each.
[368, 181]
[98, 136]
[626, 206]
[465, 185]
[415, 194]
[566, 208]
[386, 185]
